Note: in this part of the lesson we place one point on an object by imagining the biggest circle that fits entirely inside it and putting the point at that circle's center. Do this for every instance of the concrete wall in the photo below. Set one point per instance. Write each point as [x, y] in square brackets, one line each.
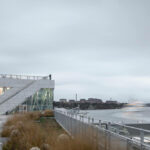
[8, 82]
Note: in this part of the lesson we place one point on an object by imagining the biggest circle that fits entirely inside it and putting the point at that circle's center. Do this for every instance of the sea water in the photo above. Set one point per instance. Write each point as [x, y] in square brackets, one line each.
[124, 115]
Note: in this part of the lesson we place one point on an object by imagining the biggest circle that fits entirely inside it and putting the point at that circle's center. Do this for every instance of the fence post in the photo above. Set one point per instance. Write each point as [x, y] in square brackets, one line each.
[93, 136]
[80, 117]
[83, 118]
[129, 144]
[92, 120]
[142, 136]
[76, 116]
[109, 125]
[89, 120]
[100, 124]
[82, 126]
[108, 135]
[71, 124]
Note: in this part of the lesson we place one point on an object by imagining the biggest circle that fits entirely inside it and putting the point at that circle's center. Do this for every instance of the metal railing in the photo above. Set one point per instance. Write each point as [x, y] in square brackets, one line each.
[23, 77]
[129, 131]
[132, 132]
[101, 133]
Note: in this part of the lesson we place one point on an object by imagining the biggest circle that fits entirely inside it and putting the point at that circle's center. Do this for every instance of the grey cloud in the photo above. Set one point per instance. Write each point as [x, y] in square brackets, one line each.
[92, 47]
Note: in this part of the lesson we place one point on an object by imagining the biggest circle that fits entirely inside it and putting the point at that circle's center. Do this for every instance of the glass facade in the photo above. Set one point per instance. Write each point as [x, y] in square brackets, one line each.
[41, 100]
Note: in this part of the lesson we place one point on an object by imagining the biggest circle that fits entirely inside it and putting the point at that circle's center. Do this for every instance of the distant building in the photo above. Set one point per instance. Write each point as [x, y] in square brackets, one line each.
[94, 100]
[63, 100]
[72, 101]
[111, 102]
[82, 100]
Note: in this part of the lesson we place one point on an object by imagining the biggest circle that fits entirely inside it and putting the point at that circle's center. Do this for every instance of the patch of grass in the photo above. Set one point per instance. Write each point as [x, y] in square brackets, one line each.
[77, 143]
[33, 130]
[47, 113]
[24, 132]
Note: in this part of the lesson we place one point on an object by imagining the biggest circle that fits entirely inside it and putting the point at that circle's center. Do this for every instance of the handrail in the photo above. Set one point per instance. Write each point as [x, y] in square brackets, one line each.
[130, 127]
[23, 77]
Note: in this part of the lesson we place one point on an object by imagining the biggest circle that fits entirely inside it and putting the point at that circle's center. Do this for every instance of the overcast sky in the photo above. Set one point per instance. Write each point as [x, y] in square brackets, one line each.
[96, 48]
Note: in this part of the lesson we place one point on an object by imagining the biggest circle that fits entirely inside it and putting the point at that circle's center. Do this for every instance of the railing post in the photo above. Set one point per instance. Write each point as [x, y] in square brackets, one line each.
[82, 118]
[92, 120]
[93, 135]
[100, 124]
[129, 144]
[108, 136]
[89, 120]
[142, 136]
[76, 116]
[109, 125]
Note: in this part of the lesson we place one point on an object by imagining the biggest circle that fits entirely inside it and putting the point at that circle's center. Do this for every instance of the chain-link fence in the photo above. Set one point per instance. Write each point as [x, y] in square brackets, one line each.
[102, 136]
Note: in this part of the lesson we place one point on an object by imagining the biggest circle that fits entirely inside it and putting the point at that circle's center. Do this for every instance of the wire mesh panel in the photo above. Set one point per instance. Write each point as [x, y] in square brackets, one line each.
[102, 137]
[117, 143]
